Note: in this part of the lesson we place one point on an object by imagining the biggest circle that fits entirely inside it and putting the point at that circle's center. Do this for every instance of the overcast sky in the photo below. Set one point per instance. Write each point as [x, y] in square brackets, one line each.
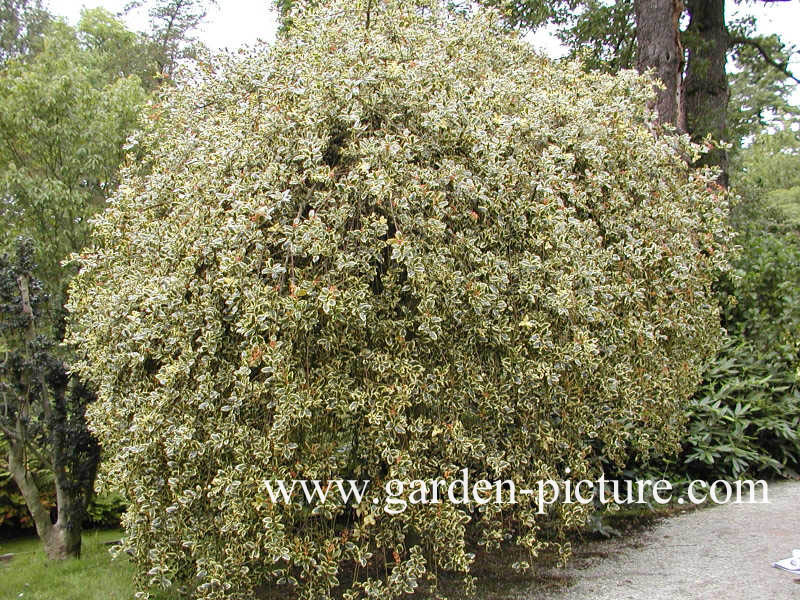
[231, 24]
[236, 22]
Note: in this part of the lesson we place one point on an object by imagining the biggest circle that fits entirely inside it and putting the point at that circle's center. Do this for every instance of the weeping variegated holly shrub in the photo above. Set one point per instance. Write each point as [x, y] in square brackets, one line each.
[396, 244]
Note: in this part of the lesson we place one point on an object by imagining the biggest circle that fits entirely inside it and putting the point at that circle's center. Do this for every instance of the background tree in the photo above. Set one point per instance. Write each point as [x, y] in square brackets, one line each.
[172, 27]
[22, 26]
[602, 34]
[65, 113]
[64, 117]
[767, 171]
[659, 49]
[117, 51]
[66, 108]
[708, 40]
[43, 409]
[704, 93]
[760, 94]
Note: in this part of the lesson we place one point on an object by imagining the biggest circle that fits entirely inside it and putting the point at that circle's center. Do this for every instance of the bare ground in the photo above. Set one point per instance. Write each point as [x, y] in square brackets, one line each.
[720, 553]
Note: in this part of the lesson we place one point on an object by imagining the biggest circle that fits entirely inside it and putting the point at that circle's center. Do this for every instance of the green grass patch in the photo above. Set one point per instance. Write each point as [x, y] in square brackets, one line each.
[95, 576]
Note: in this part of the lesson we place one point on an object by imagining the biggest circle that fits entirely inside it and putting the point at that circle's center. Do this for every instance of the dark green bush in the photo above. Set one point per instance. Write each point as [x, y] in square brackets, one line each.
[105, 510]
[745, 417]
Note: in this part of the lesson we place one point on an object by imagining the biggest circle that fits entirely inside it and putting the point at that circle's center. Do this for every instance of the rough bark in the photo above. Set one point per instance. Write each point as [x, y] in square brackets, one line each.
[705, 87]
[659, 48]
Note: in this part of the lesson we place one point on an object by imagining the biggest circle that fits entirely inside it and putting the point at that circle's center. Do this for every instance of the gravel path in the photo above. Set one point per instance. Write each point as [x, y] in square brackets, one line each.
[720, 553]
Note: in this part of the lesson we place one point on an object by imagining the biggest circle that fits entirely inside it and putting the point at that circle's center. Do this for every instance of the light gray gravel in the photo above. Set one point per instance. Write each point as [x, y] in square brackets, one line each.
[719, 553]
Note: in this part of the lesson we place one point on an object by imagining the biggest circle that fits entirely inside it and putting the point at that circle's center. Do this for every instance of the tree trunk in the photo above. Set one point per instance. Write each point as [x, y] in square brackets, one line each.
[63, 542]
[29, 489]
[61, 539]
[706, 83]
[65, 537]
[659, 48]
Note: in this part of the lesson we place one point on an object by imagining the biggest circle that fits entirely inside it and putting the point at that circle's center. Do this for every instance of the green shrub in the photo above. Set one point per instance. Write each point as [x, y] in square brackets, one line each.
[745, 418]
[386, 254]
[105, 510]
[765, 286]
[787, 202]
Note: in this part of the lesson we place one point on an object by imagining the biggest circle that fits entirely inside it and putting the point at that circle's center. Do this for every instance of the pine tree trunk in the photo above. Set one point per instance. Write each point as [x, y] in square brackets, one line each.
[706, 84]
[659, 48]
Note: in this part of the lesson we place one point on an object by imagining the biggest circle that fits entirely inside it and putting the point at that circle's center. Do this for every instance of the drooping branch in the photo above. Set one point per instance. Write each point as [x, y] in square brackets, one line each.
[783, 67]
[369, 14]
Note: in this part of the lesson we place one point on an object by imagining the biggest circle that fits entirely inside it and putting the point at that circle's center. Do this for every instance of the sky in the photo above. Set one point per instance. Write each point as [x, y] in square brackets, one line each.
[229, 25]
[235, 22]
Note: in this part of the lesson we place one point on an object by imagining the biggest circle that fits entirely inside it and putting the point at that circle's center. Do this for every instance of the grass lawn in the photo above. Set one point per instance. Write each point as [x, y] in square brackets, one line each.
[30, 576]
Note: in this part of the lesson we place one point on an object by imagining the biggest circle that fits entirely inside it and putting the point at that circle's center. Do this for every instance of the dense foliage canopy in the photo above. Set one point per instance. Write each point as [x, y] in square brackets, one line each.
[396, 244]
[64, 115]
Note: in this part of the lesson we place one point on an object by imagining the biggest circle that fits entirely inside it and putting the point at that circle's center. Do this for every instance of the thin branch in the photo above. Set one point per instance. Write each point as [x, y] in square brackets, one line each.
[9, 433]
[783, 67]
[31, 449]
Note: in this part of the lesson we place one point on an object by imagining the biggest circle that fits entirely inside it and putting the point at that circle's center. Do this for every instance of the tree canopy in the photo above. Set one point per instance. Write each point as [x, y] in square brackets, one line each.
[700, 37]
[173, 24]
[22, 25]
[64, 117]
